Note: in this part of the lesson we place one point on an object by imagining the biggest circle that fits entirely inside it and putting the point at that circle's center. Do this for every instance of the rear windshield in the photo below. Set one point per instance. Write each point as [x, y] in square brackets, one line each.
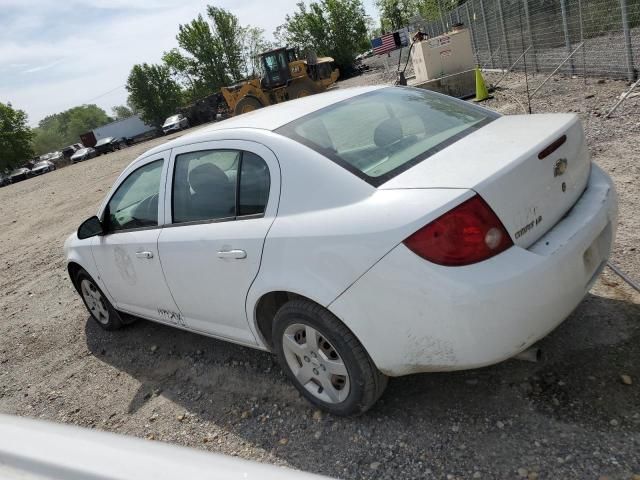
[378, 135]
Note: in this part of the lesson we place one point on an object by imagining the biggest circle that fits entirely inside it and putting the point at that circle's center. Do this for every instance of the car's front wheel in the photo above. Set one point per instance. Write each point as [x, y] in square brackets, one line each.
[324, 360]
[98, 305]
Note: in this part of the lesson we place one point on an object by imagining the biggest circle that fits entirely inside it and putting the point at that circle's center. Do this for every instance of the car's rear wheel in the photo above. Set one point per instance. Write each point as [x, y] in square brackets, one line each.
[98, 305]
[324, 360]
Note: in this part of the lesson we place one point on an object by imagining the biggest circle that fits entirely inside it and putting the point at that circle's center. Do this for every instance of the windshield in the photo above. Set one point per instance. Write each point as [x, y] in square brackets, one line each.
[173, 119]
[82, 151]
[103, 141]
[41, 164]
[382, 133]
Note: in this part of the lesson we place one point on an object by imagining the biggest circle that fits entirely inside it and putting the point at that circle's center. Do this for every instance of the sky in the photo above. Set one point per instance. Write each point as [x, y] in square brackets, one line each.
[57, 54]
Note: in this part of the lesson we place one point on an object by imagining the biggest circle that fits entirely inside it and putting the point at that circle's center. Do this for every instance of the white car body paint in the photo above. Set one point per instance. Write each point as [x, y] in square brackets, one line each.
[416, 317]
[38, 450]
[337, 240]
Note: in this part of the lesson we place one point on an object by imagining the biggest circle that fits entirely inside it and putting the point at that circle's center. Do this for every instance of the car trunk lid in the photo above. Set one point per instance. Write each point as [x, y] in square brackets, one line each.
[530, 169]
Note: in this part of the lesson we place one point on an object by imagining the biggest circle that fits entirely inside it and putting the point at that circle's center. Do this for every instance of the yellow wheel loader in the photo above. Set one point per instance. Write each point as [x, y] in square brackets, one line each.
[285, 78]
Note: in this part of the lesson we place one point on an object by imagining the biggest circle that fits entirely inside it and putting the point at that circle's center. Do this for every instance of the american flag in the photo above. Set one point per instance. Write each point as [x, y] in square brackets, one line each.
[383, 44]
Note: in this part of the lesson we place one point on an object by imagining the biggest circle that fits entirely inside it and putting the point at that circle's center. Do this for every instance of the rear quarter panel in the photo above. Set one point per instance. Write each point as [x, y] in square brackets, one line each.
[331, 226]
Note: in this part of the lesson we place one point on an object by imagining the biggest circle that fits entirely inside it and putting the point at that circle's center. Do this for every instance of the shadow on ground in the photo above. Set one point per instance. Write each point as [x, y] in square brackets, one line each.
[572, 400]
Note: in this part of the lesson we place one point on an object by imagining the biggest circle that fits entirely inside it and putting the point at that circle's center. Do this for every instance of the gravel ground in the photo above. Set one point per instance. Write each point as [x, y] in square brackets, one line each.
[570, 416]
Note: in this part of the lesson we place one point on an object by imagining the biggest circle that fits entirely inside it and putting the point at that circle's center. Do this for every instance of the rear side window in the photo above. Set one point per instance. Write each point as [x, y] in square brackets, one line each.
[382, 133]
[214, 185]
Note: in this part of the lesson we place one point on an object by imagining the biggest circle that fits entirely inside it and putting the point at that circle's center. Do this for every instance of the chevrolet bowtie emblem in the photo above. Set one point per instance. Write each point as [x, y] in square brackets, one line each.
[560, 167]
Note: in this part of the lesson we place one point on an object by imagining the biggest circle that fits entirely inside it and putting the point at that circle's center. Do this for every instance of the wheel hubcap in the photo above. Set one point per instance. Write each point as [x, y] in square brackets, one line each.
[315, 363]
[95, 302]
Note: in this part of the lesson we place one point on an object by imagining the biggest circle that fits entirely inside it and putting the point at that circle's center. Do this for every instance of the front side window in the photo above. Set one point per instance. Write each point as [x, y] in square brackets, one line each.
[379, 134]
[212, 185]
[135, 203]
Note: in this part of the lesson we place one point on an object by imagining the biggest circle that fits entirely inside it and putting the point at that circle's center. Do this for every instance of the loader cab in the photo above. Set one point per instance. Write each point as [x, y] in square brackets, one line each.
[275, 64]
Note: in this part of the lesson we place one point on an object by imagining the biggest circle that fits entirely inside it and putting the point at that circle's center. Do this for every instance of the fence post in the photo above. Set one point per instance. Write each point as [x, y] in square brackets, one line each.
[504, 32]
[444, 28]
[565, 27]
[486, 31]
[584, 50]
[474, 44]
[631, 75]
[527, 19]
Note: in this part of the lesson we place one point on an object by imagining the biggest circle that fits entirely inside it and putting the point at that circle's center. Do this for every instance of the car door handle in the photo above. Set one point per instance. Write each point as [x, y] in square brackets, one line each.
[144, 254]
[238, 254]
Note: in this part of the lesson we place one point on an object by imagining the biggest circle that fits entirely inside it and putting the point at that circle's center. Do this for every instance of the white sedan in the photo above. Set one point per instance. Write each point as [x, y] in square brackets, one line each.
[175, 123]
[357, 234]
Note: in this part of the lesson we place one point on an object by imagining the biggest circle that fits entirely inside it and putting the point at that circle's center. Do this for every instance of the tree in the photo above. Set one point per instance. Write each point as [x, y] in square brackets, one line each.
[337, 28]
[60, 129]
[181, 69]
[253, 44]
[153, 92]
[228, 33]
[203, 62]
[429, 10]
[214, 52]
[121, 112]
[395, 14]
[15, 137]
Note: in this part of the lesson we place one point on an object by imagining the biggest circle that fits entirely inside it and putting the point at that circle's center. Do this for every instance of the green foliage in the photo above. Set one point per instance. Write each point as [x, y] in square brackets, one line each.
[228, 33]
[429, 10]
[153, 92]
[395, 14]
[121, 112]
[61, 129]
[253, 44]
[15, 137]
[214, 52]
[203, 62]
[336, 28]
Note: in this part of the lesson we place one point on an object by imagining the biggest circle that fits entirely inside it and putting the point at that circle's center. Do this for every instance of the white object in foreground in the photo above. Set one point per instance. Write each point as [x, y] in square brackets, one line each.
[37, 450]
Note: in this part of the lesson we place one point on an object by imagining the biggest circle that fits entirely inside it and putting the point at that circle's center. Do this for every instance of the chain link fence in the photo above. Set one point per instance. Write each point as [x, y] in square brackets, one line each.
[577, 37]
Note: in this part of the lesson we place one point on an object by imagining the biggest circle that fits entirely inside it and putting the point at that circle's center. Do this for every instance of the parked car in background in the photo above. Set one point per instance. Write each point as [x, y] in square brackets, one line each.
[43, 167]
[55, 157]
[83, 154]
[175, 123]
[4, 180]
[69, 150]
[19, 174]
[106, 145]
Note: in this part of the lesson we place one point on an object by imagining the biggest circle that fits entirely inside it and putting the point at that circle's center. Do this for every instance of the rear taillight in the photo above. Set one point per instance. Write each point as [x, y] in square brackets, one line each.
[469, 233]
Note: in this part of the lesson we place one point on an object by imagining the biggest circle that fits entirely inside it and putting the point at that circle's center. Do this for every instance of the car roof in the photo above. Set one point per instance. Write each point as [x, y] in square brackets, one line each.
[269, 118]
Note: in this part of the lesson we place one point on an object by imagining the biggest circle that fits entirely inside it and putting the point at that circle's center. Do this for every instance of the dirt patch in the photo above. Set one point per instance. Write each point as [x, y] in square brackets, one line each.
[570, 416]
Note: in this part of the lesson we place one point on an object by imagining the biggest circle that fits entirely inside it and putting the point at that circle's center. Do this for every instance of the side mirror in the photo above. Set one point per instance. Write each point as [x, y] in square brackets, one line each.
[90, 228]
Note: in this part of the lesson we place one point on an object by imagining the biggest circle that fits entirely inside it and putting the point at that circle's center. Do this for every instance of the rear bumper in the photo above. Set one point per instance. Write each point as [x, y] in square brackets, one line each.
[414, 316]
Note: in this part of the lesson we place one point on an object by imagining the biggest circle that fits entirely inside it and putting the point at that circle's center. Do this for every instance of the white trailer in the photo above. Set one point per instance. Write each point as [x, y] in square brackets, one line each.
[127, 127]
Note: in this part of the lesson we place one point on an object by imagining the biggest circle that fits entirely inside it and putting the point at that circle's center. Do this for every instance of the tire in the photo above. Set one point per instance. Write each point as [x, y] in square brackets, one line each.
[301, 88]
[97, 304]
[247, 104]
[340, 362]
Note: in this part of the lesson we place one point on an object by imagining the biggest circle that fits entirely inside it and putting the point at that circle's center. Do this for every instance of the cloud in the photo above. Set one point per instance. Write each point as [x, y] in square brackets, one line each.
[40, 68]
[56, 54]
